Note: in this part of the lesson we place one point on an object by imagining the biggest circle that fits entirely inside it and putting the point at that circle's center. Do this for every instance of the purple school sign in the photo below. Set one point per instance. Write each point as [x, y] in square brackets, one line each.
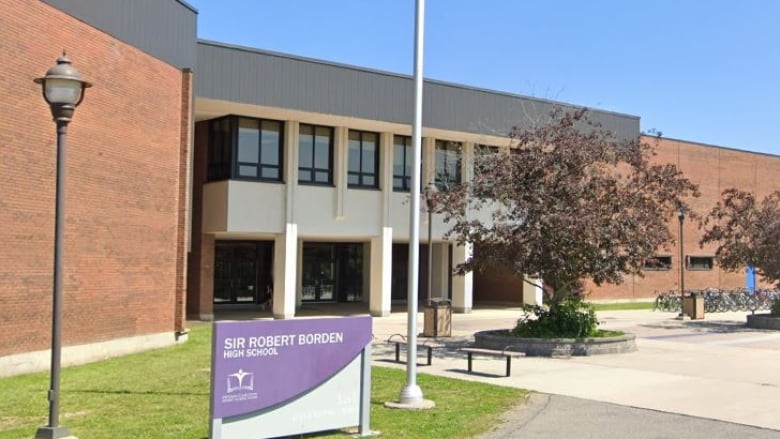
[264, 366]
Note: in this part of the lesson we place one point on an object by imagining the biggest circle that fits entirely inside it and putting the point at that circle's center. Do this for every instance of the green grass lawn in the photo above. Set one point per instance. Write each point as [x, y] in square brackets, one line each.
[623, 306]
[165, 394]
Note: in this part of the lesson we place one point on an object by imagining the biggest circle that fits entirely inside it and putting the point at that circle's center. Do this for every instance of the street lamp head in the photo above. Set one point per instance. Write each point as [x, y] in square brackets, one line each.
[63, 88]
[430, 190]
[681, 211]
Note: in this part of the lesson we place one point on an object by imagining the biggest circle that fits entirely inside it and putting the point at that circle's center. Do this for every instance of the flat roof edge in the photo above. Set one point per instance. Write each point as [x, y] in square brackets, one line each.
[255, 50]
[187, 5]
[710, 145]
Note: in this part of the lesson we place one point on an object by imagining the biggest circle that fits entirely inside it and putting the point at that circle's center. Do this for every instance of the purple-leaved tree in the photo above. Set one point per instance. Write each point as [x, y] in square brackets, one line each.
[568, 201]
[747, 232]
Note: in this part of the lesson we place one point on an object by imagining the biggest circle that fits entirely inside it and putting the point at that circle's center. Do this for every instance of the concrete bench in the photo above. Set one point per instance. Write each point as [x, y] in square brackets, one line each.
[428, 345]
[508, 352]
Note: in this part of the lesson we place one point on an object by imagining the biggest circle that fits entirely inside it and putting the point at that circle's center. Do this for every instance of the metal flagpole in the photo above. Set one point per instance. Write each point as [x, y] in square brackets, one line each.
[411, 393]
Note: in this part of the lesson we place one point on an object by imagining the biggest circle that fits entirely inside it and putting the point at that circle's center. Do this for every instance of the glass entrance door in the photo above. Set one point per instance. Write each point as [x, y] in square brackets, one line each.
[349, 258]
[242, 271]
[319, 274]
[399, 284]
[332, 272]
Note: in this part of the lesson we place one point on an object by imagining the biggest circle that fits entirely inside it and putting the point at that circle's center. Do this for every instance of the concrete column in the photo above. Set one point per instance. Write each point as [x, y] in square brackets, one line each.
[380, 266]
[340, 152]
[291, 129]
[286, 245]
[285, 270]
[532, 294]
[386, 175]
[462, 285]
[428, 160]
[381, 271]
[441, 270]
[467, 161]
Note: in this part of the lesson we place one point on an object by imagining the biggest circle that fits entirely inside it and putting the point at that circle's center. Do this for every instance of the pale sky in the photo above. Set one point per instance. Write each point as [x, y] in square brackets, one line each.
[702, 71]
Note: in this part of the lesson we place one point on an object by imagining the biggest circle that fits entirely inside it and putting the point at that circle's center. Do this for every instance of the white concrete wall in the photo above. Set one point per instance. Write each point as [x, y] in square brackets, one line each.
[258, 207]
[255, 207]
[293, 213]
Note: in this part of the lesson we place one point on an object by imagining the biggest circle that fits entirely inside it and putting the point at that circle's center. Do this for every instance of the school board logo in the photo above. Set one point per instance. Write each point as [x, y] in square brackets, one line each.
[240, 387]
[240, 381]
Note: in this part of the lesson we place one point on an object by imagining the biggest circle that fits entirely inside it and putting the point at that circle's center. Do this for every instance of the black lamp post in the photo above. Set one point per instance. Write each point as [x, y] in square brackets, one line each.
[429, 204]
[681, 216]
[63, 90]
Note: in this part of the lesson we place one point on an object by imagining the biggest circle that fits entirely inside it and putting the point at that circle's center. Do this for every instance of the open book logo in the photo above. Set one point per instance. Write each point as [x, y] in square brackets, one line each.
[240, 381]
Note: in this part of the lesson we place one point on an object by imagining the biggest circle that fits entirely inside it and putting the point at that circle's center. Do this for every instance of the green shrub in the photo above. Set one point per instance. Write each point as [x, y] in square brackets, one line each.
[776, 308]
[569, 318]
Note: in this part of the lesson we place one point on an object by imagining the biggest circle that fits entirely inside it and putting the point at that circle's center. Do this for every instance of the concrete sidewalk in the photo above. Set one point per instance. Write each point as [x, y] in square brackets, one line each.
[714, 368]
[553, 416]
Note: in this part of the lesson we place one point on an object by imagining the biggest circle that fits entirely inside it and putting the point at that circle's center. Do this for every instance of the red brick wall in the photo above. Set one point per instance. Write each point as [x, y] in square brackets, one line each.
[182, 229]
[714, 170]
[200, 275]
[497, 285]
[123, 197]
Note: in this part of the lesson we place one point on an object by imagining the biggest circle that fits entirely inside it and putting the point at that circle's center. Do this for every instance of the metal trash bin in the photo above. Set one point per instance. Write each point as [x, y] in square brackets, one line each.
[437, 318]
[693, 306]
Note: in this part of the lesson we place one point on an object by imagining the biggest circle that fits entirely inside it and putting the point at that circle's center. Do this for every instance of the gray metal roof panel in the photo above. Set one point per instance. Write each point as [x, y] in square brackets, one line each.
[165, 29]
[252, 76]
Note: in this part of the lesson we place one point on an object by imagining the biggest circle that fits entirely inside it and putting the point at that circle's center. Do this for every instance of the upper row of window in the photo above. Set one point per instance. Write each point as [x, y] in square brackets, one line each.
[247, 148]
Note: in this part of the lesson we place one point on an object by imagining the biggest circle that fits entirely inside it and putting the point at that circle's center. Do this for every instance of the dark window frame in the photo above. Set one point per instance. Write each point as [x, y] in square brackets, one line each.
[702, 263]
[219, 151]
[450, 148]
[222, 150]
[662, 263]
[406, 180]
[313, 169]
[481, 150]
[259, 164]
[362, 175]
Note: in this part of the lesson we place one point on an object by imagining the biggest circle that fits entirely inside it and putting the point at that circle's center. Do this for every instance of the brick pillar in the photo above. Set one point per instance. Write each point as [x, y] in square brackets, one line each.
[195, 258]
[182, 222]
[205, 293]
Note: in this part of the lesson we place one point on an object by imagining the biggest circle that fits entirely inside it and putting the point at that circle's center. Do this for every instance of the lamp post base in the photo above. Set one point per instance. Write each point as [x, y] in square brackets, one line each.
[53, 433]
[424, 404]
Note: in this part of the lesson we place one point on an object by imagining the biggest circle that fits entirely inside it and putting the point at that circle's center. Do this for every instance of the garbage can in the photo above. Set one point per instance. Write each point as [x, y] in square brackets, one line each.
[693, 306]
[437, 318]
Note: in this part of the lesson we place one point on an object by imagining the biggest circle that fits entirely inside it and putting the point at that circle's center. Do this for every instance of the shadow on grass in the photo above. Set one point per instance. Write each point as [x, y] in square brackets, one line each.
[392, 361]
[138, 392]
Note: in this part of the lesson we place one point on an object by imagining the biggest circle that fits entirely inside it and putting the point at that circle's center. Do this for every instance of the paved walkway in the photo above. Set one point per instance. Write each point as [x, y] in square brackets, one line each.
[554, 416]
[713, 369]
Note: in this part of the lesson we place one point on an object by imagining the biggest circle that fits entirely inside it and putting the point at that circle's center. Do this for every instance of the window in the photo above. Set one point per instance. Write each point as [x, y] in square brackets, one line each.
[219, 150]
[482, 154]
[700, 262]
[658, 263]
[447, 170]
[363, 160]
[315, 155]
[259, 149]
[402, 163]
[245, 148]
